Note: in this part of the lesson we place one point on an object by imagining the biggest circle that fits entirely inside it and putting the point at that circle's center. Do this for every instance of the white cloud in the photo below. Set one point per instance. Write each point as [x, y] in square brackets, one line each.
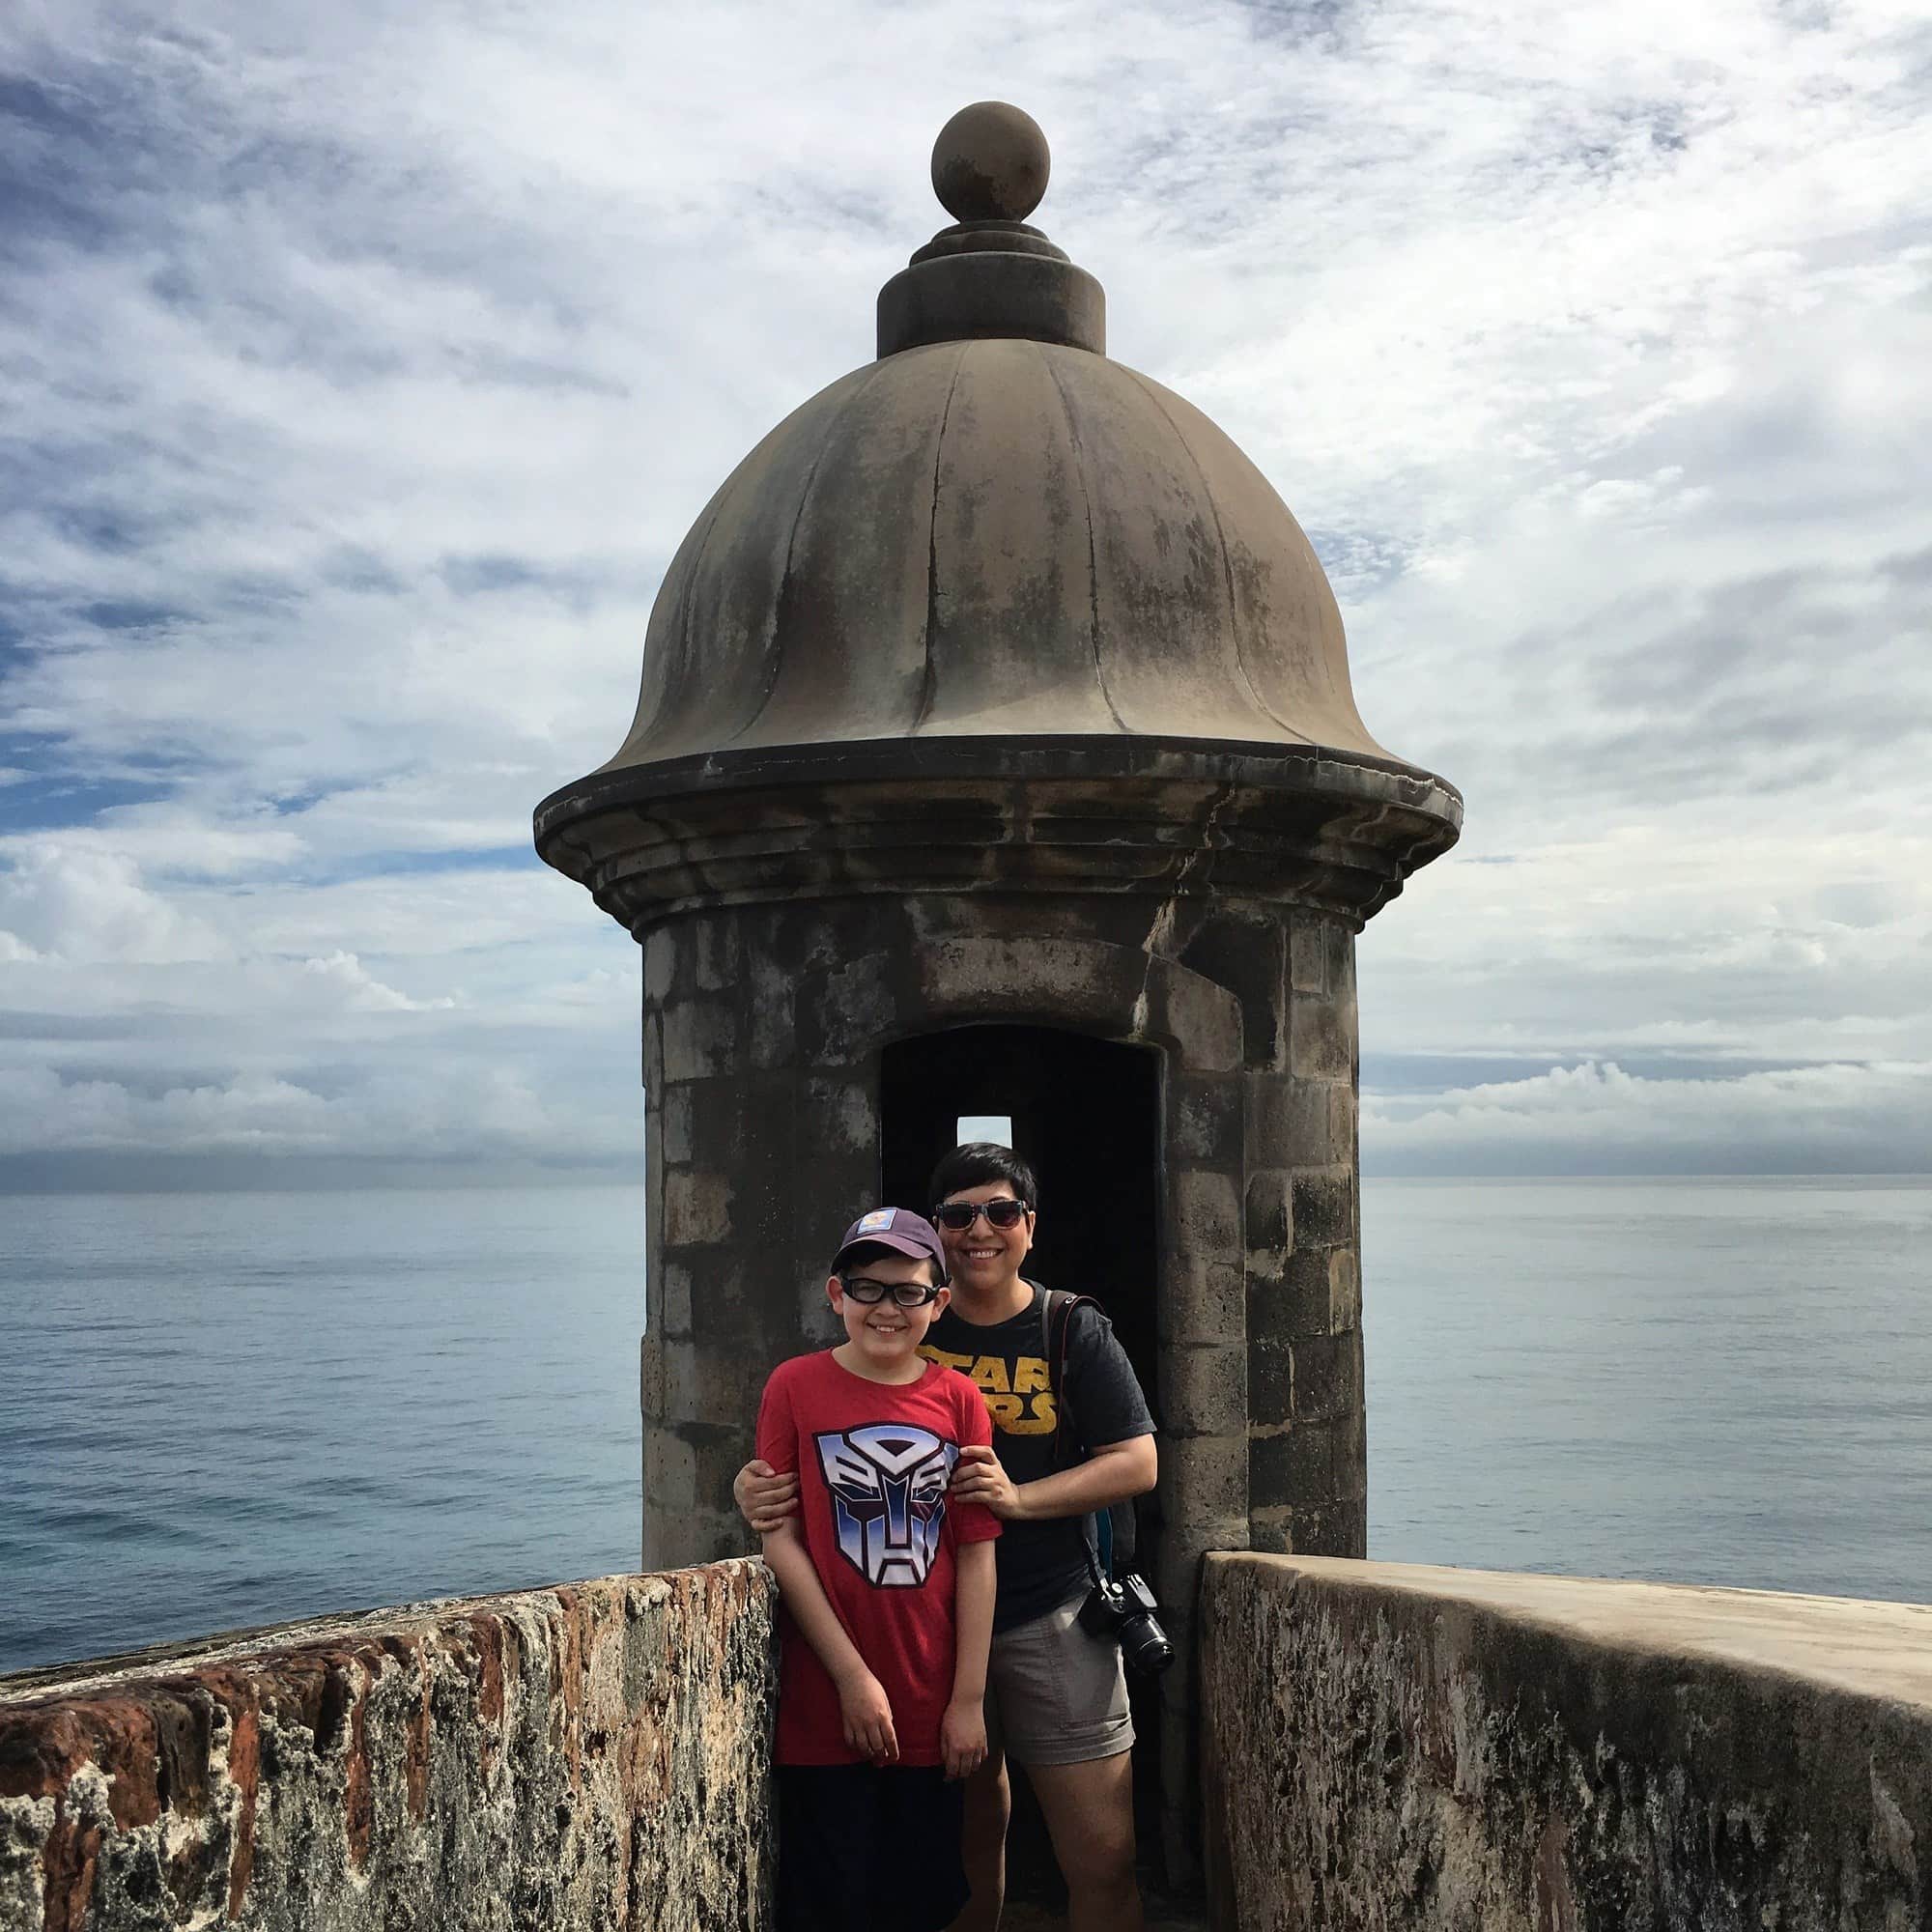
[1866, 1118]
[369, 365]
[362, 990]
[474, 1114]
[68, 901]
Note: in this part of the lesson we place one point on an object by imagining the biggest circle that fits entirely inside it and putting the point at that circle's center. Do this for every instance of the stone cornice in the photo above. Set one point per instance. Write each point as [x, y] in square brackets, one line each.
[1143, 817]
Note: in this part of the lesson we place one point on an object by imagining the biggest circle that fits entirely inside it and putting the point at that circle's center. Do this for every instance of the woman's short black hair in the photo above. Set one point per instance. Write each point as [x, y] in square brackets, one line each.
[980, 1164]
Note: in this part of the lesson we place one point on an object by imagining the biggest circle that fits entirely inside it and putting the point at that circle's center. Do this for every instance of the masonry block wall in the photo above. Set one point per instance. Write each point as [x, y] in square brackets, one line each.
[762, 1032]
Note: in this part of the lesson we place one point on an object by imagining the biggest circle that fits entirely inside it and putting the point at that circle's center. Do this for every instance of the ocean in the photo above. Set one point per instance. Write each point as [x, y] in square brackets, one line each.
[228, 1410]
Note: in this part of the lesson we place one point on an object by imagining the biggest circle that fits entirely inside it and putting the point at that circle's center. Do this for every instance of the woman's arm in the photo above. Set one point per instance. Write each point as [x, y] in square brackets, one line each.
[963, 1731]
[867, 1711]
[764, 1499]
[1109, 1475]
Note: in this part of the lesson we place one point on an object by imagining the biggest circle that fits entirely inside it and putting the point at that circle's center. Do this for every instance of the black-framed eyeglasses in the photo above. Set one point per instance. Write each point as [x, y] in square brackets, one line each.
[867, 1291]
[959, 1215]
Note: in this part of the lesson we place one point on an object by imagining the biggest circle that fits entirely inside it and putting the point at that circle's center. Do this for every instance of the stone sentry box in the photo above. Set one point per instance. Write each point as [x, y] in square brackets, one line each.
[996, 689]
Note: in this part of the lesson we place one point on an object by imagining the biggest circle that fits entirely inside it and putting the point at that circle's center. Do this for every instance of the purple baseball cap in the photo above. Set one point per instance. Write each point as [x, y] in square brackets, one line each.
[898, 1229]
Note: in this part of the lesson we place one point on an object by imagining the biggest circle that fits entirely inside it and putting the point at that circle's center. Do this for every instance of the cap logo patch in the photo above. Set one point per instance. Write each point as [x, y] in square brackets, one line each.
[879, 1217]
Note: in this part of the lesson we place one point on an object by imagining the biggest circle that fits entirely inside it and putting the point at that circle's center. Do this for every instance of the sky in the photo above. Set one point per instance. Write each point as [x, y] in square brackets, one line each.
[362, 367]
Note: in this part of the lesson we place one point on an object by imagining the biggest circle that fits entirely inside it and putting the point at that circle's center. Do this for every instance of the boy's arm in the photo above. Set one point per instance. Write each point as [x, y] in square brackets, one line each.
[962, 1730]
[972, 1591]
[863, 1704]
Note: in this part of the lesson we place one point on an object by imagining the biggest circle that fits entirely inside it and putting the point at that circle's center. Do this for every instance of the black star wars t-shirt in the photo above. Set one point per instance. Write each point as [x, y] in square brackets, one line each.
[1043, 1565]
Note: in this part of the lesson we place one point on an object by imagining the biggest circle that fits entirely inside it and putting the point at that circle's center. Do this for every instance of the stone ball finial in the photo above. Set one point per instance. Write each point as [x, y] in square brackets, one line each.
[990, 163]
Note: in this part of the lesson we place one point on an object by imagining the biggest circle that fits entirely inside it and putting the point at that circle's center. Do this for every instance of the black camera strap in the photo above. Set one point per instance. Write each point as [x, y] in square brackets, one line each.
[1056, 1321]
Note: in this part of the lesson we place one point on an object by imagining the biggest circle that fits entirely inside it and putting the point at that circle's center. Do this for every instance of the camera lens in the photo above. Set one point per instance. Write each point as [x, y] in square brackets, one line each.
[1145, 1646]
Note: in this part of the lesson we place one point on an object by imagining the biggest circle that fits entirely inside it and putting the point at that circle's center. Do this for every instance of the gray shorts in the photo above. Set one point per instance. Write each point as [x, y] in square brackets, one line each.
[1056, 1694]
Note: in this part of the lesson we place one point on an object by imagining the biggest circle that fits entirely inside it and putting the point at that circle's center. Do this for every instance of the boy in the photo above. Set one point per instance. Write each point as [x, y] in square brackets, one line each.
[888, 1592]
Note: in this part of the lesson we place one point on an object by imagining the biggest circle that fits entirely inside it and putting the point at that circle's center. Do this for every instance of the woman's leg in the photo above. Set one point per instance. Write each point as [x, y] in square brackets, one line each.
[1090, 1814]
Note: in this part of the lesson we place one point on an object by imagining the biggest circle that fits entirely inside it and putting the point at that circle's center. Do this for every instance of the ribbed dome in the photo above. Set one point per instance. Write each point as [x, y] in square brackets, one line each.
[995, 614]
[993, 537]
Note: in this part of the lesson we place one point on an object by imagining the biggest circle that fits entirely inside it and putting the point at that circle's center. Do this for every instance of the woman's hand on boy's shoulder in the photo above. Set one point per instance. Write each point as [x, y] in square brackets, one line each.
[764, 1498]
[981, 1477]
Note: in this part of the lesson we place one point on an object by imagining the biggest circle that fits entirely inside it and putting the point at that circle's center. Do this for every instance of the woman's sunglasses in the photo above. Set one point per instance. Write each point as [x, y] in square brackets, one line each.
[959, 1215]
[865, 1291]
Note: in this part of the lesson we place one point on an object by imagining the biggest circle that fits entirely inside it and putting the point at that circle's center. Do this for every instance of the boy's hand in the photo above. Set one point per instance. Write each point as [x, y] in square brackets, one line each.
[764, 1499]
[981, 1477]
[962, 1735]
[868, 1715]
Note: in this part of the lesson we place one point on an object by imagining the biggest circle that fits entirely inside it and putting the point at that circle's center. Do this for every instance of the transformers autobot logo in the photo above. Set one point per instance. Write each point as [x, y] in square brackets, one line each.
[888, 1485]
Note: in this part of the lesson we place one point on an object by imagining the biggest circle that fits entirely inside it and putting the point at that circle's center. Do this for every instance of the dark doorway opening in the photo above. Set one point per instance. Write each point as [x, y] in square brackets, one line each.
[1085, 1113]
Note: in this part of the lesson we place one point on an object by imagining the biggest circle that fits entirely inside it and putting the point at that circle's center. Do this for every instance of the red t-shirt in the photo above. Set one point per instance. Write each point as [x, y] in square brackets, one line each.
[873, 1463]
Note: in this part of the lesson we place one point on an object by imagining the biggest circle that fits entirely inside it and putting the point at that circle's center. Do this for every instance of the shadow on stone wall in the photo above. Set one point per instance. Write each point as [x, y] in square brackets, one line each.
[590, 1756]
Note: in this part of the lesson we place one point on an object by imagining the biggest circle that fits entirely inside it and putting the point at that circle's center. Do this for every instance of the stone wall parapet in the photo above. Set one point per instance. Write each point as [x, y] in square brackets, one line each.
[1416, 1749]
[589, 1755]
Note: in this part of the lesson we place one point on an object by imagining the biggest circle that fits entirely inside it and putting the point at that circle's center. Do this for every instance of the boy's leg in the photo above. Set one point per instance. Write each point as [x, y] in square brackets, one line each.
[828, 1835]
[917, 1882]
[865, 1846]
[1089, 1816]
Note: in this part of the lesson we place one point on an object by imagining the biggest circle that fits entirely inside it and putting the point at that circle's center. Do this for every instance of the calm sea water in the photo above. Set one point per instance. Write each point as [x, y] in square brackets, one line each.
[233, 1408]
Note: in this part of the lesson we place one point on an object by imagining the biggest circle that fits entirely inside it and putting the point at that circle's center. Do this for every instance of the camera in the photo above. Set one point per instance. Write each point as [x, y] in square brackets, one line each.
[1126, 1610]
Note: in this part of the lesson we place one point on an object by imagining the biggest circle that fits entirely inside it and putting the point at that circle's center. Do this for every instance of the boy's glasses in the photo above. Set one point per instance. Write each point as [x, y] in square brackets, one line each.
[959, 1215]
[904, 1293]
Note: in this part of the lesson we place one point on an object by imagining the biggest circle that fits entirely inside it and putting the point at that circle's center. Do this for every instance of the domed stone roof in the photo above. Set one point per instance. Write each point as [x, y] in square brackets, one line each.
[994, 537]
[994, 613]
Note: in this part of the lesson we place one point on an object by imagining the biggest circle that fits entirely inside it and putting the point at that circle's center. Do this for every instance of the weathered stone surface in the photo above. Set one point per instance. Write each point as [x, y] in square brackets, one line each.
[1322, 1035]
[1389, 1747]
[697, 1210]
[1168, 821]
[1204, 1391]
[1298, 1301]
[1204, 1300]
[1270, 1224]
[1291, 1122]
[1207, 1213]
[1243, 948]
[673, 1115]
[1327, 1377]
[1138, 575]
[591, 1755]
[1308, 955]
[670, 1470]
[1294, 1462]
[1204, 1120]
[1323, 1207]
